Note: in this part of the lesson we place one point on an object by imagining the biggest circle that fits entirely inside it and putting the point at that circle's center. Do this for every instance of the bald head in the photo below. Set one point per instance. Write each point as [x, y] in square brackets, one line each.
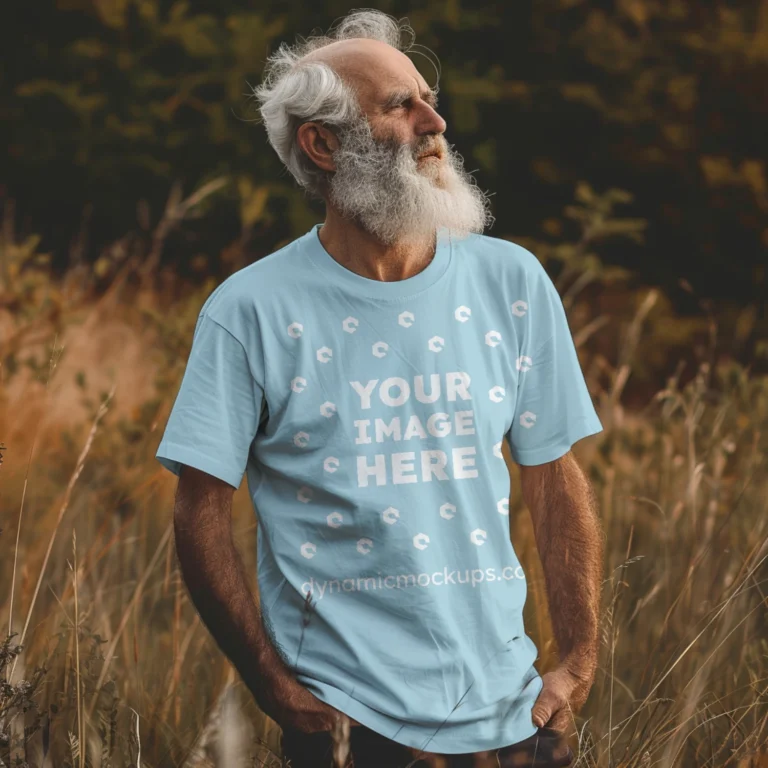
[373, 69]
[353, 46]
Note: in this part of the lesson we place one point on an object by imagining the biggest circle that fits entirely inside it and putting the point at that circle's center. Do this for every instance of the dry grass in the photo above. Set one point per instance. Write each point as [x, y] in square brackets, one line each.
[116, 669]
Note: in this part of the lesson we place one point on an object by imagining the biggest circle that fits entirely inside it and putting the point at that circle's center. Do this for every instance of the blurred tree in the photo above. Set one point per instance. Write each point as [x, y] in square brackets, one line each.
[108, 102]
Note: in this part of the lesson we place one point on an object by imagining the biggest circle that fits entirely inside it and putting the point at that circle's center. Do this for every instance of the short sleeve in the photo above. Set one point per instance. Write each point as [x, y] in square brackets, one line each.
[217, 410]
[554, 409]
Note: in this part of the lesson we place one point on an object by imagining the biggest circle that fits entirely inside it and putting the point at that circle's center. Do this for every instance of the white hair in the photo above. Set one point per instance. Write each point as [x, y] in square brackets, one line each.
[293, 91]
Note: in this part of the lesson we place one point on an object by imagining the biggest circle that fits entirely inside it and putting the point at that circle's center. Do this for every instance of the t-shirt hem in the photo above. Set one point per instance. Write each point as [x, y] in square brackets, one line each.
[449, 739]
[172, 456]
[533, 456]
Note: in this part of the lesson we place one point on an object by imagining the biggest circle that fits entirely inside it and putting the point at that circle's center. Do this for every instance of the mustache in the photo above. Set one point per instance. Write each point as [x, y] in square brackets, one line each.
[428, 147]
[422, 146]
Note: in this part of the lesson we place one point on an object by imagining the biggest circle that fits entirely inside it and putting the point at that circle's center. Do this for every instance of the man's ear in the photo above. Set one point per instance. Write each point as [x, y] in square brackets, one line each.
[319, 143]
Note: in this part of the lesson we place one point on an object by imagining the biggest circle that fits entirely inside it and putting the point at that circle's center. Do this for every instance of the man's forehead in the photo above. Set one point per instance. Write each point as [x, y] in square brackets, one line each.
[375, 68]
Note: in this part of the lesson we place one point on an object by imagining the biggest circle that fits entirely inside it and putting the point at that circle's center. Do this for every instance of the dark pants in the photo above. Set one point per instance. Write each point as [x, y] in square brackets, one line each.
[547, 748]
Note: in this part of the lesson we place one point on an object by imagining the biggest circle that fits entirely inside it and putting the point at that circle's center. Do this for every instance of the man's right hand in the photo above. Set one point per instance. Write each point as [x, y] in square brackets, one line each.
[293, 706]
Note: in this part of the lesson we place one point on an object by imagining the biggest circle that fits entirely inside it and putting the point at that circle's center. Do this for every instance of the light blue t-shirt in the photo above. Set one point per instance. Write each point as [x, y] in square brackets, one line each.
[368, 417]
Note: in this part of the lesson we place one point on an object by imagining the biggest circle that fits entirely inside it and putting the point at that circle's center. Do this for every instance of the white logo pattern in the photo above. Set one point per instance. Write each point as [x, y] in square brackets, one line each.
[436, 344]
[308, 550]
[519, 308]
[390, 515]
[380, 348]
[492, 338]
[331, 464]
[523, 363]
[496, 394]
[406, 319]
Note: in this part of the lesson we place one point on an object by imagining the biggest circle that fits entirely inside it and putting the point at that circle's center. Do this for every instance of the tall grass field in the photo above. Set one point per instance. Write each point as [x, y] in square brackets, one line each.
[103, 659]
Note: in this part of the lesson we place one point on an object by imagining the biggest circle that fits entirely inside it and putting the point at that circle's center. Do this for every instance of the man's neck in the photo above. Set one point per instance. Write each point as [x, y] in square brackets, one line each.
[358, 251]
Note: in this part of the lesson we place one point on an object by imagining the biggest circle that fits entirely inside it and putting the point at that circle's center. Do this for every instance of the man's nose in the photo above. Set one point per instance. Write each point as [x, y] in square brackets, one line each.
[431, 122]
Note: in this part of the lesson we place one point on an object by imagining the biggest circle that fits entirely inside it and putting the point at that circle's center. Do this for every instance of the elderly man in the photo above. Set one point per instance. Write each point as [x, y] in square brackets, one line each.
[364, 377]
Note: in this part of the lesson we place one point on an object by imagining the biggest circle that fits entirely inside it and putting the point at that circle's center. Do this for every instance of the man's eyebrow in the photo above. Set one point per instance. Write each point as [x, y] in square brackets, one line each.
[403, 94]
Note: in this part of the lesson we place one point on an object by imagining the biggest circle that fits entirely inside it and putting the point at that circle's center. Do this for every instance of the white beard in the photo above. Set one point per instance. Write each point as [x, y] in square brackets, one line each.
[397, 199]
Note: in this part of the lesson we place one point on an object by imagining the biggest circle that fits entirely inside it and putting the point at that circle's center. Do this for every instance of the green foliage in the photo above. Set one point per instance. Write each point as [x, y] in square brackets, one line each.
[110, 101]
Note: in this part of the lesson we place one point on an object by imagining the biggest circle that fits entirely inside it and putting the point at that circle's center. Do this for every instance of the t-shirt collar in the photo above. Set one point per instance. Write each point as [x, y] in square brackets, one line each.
[365, 286]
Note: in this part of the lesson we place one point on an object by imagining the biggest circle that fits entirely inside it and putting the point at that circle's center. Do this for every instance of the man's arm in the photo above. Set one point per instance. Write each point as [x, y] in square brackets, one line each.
[570, 541]
[215, 577]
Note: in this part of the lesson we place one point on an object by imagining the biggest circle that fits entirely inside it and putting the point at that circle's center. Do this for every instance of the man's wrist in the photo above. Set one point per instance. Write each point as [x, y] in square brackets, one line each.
[581, 664]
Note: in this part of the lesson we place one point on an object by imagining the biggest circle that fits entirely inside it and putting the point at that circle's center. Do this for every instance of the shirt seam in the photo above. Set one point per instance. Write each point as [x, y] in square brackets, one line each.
[549, 446]
[169, 452]
[262, 385]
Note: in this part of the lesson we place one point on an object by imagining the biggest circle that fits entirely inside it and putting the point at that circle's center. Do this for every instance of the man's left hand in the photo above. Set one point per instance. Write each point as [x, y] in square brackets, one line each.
[562, 694]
